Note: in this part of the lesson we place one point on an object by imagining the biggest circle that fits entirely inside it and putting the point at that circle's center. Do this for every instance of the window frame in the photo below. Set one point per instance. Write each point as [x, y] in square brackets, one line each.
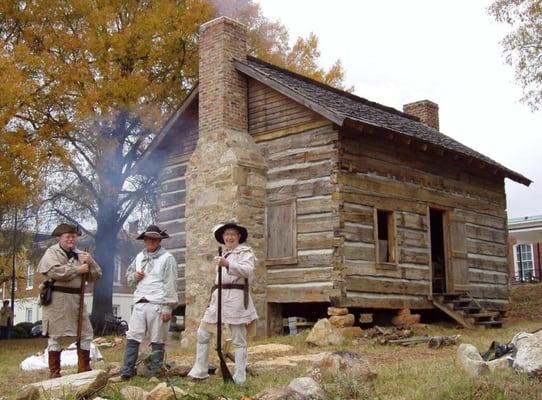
[27, 309]
[517, 248]
[392, 239]
[117, 270]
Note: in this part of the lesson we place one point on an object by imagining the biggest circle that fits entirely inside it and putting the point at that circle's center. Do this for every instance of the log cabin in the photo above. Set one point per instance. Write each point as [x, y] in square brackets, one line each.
[361, 205]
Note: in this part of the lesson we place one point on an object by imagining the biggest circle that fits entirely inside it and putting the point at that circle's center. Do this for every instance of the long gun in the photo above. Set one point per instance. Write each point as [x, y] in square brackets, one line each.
[81, 307]
[226, 374]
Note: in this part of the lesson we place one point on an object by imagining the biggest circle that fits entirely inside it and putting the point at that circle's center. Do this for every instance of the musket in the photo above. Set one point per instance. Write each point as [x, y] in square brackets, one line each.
[226, 374]
[81, 307]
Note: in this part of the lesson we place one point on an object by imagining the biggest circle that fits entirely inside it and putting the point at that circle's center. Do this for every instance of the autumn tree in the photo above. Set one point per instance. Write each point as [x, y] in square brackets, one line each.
[99, 79]
[522, 46]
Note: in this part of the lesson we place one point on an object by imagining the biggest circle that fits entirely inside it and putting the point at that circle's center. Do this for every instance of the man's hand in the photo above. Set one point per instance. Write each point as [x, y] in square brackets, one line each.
[139, 275]
[222, 262]
[166, 317]
[83, 269]
[85, 257]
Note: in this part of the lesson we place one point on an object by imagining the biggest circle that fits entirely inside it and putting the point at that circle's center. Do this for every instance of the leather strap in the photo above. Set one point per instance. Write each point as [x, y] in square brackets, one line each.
[64, 289]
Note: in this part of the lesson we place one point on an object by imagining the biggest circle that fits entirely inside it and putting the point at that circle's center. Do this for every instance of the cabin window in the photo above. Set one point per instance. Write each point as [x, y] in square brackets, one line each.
[385, 237]
[524, 262]
[281, 233]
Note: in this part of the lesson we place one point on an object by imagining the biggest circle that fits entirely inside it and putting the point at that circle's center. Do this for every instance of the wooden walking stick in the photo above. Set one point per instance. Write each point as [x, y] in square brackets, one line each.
[226, 374]
[81, 307]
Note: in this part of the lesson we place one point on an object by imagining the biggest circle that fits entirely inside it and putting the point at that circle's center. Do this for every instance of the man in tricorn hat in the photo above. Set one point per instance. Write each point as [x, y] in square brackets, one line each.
[64, 266]
[238, 310]
[153, 275]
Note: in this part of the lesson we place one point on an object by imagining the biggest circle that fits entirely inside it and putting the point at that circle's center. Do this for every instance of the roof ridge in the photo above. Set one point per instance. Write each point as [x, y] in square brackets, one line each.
[336, 90]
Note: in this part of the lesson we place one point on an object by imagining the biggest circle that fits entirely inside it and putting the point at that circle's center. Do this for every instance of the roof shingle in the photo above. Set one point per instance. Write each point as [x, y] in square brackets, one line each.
[345, 106]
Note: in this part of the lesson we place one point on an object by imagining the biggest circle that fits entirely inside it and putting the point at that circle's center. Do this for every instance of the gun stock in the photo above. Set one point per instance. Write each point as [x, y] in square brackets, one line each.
[226, 374]
[81, 307]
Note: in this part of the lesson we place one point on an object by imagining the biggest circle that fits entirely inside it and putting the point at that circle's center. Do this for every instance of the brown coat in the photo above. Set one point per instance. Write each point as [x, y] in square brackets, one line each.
[5, 315]
[60, 317]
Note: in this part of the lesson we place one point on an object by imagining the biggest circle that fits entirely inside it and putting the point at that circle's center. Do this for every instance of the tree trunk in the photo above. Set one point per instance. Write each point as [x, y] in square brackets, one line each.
[106, 245]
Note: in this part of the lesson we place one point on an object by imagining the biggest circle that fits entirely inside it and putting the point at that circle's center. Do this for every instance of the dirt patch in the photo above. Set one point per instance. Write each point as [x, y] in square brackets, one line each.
[526, 304]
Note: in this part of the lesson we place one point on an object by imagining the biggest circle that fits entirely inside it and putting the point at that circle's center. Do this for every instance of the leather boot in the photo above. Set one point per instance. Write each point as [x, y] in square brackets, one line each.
[157, 359]
[54, 364]
[83, 360]
[130, 359]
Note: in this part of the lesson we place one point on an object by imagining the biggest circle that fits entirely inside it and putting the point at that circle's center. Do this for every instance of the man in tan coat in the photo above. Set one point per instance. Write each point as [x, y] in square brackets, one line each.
[65, 265]
[238, 311]
[6, 315]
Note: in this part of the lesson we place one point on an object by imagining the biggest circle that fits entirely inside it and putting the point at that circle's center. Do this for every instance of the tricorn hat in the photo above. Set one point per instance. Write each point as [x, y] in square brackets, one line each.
[66, 228]
[219, 231]
[154, 232]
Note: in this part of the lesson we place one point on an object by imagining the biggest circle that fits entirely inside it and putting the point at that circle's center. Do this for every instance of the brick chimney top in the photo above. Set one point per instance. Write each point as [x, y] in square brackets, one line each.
[222, 90]
[425, 110]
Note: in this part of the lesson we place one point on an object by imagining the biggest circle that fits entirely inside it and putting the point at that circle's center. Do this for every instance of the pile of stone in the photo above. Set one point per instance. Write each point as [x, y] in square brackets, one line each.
[526, 357]
[405, 319]
[162, 391]
[336, 366]
[335, 329]
[382, 335]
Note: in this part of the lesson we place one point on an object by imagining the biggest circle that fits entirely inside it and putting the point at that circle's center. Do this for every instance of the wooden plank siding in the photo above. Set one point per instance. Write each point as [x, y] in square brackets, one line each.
[172, 203]
[301, 152]
[379, 173]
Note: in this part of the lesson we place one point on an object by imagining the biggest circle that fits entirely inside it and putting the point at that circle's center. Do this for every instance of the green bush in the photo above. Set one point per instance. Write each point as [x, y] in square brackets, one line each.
[18, 332]
[27, 327]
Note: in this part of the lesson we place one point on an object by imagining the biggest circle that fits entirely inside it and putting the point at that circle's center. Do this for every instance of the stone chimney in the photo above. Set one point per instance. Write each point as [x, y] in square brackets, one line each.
[425, 110]
[226, 174]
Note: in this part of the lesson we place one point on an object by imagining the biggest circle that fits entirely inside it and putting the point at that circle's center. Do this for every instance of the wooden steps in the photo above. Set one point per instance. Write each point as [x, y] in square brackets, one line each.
[466, 311]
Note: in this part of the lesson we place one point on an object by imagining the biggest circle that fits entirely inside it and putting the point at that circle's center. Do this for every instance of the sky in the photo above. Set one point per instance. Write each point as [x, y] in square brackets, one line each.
[397, 52]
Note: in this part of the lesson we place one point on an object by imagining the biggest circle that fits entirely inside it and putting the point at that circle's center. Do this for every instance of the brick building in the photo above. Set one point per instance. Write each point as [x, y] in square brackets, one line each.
[525, 238]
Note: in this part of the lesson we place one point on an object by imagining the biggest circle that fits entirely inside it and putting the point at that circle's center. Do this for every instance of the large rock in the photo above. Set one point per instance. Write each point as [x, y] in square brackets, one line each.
[344, 364]
[133, 393]
[285, 362]
[280, 393]
[324, 334]
[499, 364]
[270, 348]
[342, 321]
[179, 370]
[308, 387]
[165, 392]
[529, 354]
[74, 385]
[333, 311]
[29, 393]
[469, 359]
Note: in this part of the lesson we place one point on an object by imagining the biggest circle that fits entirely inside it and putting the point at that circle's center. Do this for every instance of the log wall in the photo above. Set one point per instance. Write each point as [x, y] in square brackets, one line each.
[172, 201]
[380, 173]
[300, 148]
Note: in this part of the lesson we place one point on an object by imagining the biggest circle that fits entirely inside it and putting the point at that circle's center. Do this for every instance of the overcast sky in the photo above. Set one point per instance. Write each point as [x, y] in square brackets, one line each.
[396, 52]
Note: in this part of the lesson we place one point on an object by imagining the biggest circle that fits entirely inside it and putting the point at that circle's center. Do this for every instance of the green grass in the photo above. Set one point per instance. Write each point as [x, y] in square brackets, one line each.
[403, 372]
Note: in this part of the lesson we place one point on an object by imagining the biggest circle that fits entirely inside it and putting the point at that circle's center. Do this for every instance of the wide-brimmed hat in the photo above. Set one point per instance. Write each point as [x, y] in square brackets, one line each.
[219, 231]
[66, 228]
[154, 232]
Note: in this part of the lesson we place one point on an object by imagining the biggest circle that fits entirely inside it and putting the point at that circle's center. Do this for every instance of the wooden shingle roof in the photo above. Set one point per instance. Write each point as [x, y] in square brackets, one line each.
[343, 107]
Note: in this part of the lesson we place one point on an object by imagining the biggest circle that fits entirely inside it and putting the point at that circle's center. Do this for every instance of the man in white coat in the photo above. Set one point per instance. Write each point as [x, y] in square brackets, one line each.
[153, 275]
[238, 310]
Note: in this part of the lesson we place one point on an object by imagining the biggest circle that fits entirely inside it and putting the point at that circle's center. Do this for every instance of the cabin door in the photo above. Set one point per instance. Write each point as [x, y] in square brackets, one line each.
[458, 267]
[438, 259]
